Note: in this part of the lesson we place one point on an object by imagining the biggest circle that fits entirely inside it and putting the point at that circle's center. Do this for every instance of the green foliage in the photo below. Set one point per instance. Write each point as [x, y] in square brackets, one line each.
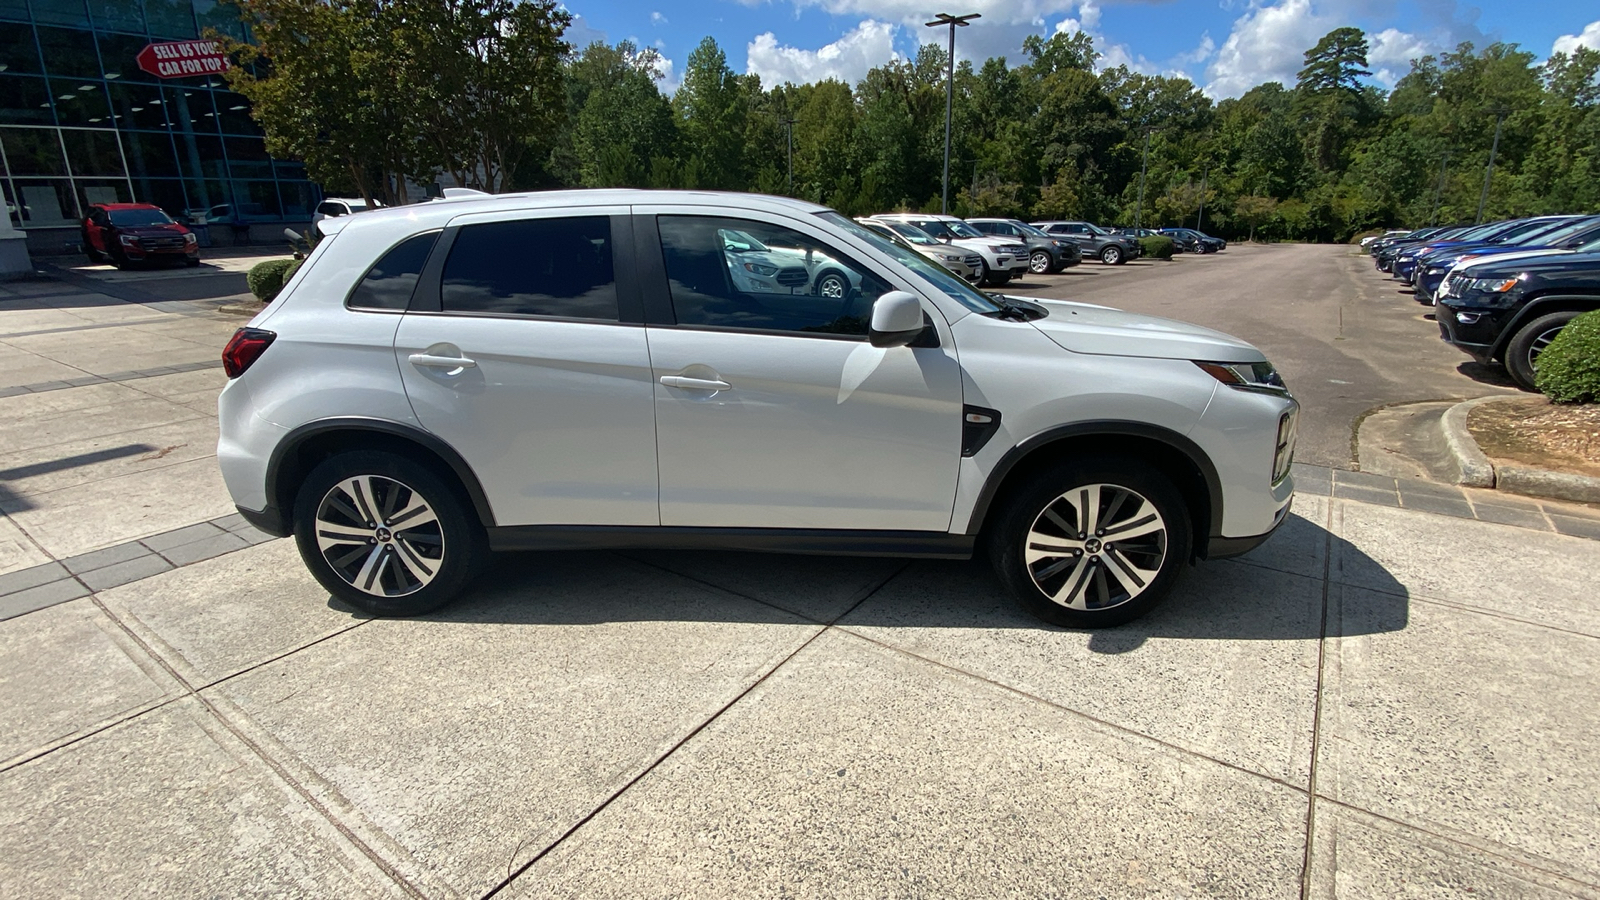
[1569, 369]
[1157, 246]
[268, 277]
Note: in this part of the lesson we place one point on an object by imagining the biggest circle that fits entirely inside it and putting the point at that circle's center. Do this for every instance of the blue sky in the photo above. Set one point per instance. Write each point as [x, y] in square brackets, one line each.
[1225, 46]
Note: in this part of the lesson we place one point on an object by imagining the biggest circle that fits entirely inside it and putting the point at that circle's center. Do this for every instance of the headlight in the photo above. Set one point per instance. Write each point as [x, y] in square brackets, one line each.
[189, 238]
[1259, 376]
[950, 258]
[762, 270]
[1490, 285]
[128, 240]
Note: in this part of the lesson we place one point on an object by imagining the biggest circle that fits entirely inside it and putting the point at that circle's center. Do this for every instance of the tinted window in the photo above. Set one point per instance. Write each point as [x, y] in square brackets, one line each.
[129, 218]
[733, 273]
[533, 267]
[389, 283]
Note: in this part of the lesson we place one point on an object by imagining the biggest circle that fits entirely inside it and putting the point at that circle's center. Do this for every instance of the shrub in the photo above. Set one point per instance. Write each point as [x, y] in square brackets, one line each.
[1569, 369]
[267, 278]
[1157, 246]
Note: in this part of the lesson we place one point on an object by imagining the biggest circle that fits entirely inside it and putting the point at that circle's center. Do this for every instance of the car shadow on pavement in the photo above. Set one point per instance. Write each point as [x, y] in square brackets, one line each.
[1486, 374]
[1274, 594]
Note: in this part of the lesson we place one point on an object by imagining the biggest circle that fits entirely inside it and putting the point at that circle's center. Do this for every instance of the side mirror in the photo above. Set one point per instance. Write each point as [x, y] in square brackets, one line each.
[896, 320]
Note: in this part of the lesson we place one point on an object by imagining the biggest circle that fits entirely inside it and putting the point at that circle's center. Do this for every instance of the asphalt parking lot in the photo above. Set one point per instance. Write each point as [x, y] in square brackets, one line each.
[1381, 701]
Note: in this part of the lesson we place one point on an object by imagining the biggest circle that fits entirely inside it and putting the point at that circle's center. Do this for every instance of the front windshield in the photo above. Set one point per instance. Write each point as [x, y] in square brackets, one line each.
[942, 278]
[1030, 231]
[129, 218]
[1555, 232]
[912, 234]
[1095, 229]
[962, 229]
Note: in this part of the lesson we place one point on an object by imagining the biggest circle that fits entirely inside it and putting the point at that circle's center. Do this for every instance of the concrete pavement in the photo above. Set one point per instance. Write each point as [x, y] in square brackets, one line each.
[1379, 702]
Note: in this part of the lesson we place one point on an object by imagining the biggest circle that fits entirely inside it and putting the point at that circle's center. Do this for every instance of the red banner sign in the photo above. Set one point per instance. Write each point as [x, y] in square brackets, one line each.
[182, 59]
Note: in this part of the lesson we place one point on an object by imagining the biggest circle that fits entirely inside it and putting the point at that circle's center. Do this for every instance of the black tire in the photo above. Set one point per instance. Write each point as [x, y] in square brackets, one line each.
[1047, 500]
[1112, 255]
[1040, 263]
[985, 274]
[394, 558]
[192, 263]
[1522, 351]
[120, 260]
[95, 256]
[832, 285]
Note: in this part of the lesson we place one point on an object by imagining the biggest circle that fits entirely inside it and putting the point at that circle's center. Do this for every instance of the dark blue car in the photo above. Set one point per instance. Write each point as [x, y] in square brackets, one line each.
[1494, 233]
[1569, 233]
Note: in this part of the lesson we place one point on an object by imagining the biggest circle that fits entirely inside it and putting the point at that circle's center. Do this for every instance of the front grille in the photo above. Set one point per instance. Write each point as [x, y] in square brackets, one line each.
[973, 262]
[161, 243]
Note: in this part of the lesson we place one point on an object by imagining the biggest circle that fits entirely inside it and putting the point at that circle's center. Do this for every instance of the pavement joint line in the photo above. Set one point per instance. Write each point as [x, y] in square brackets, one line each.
[1492, 613]
[90, 327]
[277, 768]
[859, 598]
[1508, 854]
[44, 387]
[28, 756]
[1316, 709]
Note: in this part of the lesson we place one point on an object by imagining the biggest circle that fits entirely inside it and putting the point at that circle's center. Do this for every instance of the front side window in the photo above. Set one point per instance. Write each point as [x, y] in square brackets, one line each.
[953, 287]
[735, 273]
[389, 284]
[558, 267]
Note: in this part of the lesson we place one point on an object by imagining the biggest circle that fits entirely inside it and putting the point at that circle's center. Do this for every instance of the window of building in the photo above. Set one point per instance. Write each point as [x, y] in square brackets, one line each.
[119, 55]
[68, 53]
[390, 283]
[298, 198]
[166, 193]
[734, 273]
[138, 106]
[81, 101]
[233, 114]
[247, 157]
[200, 156]
[149, 154]
[221, 17]
[191, 109]
[102, 190]
[93, 152]
[118, 15]
[25, 100]
[33, 151]
[170, 18]
[16, 10]
[18, 53]
[60, 12]
[533, 267]
[256, 200]
[45, 203]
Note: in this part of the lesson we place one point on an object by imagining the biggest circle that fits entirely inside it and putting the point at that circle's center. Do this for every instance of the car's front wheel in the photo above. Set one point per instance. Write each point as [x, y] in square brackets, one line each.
[1091, 544]
[1111, 256]
[1522, 352]
[832, 286]
[1039, 262]
[986, 276]
[386, 534]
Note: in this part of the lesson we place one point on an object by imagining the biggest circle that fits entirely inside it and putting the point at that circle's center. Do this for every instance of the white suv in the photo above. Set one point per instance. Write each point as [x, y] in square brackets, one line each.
[1004, 259]
[584, 369]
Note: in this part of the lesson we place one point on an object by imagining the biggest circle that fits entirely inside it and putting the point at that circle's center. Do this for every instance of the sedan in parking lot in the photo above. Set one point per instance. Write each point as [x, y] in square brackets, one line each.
[1191, 241]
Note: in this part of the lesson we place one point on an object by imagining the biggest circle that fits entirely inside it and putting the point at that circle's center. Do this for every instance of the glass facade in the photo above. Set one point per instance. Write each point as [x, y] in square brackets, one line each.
[80, 123]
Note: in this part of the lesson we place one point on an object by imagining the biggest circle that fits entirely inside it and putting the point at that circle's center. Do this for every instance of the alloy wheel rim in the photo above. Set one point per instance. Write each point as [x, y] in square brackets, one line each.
[379, 535]
[831, 287]
[1095, 547]
[1538, 346]
[1040, 263]
[1112, 255]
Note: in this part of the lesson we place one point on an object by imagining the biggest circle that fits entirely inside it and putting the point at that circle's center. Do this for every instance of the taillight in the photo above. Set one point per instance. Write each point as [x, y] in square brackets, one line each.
[245, 348]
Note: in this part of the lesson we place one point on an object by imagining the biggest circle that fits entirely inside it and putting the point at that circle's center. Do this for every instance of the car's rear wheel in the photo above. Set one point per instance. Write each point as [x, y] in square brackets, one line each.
[1091, 544]
[1522, 352]
[1111, 256]
[832, 286]
[386, 534]
[1039, 262]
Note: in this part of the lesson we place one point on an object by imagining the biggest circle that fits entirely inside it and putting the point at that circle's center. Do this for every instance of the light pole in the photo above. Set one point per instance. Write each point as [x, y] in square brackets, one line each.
[1138, 211]
[1500, 114]
[949, 93]
[788, 128]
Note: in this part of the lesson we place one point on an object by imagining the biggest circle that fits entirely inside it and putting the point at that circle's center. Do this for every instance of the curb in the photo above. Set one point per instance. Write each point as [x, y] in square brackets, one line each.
[1476, 470]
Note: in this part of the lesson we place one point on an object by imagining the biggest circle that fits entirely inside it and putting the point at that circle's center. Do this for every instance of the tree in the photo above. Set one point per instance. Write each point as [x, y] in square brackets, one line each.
[1336, 63]
[1253, 210]
[623, 122]
[711, 119]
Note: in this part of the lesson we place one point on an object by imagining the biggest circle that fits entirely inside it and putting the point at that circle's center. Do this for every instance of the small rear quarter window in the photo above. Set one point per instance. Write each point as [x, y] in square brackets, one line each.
[389, 283]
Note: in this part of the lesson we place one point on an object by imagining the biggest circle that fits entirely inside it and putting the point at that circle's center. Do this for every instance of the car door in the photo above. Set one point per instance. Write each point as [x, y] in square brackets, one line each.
[772, 408]
[524, 348]
[99, 223]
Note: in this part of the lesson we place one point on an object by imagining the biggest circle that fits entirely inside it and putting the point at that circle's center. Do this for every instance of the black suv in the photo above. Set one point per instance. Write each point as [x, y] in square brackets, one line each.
[1191, 241]
[1511, 311]
[1046, 254]
[1092, 240]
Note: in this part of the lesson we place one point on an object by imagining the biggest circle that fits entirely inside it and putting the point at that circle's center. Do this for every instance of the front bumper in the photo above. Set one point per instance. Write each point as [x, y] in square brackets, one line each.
[270, 520]
[1472, 331]
[1219, 547]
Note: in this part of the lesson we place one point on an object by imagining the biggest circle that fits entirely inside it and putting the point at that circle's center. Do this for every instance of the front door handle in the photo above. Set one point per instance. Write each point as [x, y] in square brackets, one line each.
[695, 384]
[442, 362]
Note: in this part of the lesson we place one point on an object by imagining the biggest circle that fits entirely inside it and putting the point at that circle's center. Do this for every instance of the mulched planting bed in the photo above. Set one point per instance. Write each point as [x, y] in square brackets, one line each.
[1532, 431]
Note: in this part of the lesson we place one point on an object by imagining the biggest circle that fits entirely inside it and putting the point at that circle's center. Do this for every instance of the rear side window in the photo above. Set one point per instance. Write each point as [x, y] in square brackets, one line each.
[388, 285]
[559, 268]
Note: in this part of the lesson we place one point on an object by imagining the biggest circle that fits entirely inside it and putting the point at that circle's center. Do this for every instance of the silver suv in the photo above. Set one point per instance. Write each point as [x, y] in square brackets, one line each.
[593, 369]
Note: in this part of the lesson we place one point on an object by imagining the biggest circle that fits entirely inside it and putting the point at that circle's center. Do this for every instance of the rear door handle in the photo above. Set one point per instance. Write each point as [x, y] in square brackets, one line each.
[442, 362]
[695, 384]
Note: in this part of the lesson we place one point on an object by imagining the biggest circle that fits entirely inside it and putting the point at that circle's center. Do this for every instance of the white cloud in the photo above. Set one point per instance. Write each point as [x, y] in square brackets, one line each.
[657, 18]
[1268, 43]
[1391, 51]
[670, 79]
[1589, 38]
[580, 35]
[866, 46]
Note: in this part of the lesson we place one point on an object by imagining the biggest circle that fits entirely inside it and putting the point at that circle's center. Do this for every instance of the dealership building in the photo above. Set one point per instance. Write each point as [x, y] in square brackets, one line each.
[103, 101]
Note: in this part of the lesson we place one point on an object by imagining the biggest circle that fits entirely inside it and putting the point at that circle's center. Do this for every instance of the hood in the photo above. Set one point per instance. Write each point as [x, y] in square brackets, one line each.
[151, 230]
[1085, 328]
[1467, 264]
[1511, 266]
[992, 244]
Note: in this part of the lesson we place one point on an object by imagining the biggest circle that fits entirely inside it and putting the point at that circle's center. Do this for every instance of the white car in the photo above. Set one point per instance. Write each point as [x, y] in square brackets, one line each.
[333, 208]
[967, 264]
[760, 268]
[1004, 259]
[579, 369]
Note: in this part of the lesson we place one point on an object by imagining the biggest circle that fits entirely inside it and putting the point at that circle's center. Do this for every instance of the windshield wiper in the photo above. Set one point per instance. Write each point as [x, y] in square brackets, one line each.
[1015, 310]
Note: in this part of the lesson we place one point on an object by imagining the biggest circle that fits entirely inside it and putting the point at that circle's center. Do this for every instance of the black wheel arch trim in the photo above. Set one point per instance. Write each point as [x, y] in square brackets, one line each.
[1537, 307]
[1106, 428]
[432, 443]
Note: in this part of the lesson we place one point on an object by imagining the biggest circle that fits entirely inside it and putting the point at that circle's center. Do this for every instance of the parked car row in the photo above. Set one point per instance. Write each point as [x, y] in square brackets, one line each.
[1502, 291]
